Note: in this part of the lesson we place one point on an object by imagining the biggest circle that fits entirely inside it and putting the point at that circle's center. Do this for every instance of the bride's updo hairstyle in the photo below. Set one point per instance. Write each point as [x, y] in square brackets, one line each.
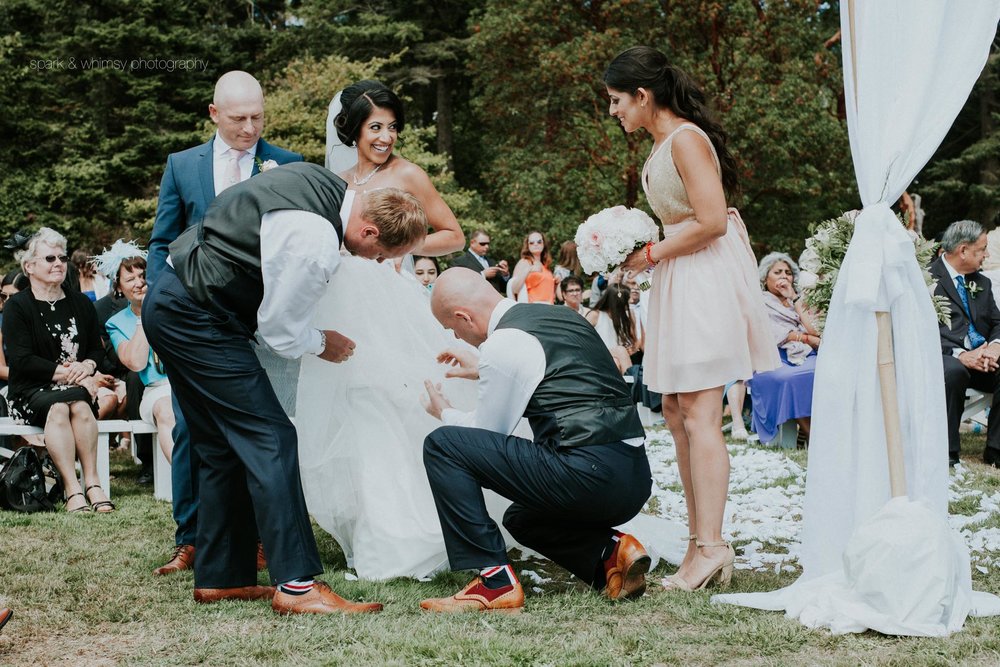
[357, 102]
[645, 67]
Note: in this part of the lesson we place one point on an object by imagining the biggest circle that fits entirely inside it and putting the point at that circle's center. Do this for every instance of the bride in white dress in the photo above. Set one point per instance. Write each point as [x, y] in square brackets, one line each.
[361, 425]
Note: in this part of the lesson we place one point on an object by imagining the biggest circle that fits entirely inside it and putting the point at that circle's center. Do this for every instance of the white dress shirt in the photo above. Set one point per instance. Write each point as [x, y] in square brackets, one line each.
[511, 365]
[299, 251]
[220, 160]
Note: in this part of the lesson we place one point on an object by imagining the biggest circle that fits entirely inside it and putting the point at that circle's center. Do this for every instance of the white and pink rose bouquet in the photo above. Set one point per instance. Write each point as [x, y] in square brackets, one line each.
[606, 238]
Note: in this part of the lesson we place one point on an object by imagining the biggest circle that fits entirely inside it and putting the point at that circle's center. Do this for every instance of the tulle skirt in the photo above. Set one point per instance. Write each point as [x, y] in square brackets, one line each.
[361, 424]
[707, 325]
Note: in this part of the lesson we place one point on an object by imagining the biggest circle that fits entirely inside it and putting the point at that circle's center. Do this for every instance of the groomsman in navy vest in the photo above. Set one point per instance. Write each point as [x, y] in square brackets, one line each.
[190, 183]
[970, 346]
[260, 260]
[584, 472]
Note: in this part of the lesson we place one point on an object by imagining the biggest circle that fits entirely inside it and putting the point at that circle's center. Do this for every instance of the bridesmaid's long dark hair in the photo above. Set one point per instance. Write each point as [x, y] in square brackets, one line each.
[645, 67]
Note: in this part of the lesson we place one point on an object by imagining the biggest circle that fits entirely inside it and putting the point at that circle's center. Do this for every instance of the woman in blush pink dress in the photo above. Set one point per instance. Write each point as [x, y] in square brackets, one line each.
[706, 323]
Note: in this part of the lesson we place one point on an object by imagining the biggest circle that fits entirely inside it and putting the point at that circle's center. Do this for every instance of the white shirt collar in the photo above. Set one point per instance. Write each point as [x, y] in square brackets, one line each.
[499, 311]
[951, 270]
[219, 147]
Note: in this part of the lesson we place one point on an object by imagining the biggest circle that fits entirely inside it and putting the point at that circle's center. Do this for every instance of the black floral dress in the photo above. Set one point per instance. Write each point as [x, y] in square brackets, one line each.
[31, 406]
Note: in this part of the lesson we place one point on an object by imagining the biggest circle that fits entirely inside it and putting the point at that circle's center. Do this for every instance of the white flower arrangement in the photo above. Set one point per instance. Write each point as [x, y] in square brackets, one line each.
[606, 238]
[825, 252]
[973, 288]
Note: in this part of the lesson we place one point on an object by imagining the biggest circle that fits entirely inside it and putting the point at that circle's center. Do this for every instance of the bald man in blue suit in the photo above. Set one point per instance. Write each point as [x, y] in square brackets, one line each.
[191, 181]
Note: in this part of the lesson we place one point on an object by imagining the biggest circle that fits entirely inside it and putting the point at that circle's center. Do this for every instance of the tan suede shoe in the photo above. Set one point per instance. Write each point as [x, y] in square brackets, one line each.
[320, 600]
[477, 597]
[626, 576]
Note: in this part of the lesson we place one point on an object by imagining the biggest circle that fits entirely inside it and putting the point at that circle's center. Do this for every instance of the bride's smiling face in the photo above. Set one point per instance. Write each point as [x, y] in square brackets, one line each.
[378, 136]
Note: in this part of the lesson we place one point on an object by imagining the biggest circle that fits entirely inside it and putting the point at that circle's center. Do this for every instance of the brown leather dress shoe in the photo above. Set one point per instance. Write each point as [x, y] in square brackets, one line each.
[183, 559]
[5, 615]
[625, 571]
[320, 600]
[209, 595]
[261, 558]
[476, 597]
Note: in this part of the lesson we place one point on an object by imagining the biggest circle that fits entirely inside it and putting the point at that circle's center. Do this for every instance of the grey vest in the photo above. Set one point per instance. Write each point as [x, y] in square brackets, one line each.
[582, 398]
[218, 260]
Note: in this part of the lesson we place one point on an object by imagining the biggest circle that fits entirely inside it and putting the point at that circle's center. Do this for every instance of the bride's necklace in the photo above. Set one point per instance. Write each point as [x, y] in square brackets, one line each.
[366, 178]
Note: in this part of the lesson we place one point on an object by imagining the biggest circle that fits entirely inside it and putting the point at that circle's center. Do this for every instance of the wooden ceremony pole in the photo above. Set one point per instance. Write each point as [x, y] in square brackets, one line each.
[890, 405]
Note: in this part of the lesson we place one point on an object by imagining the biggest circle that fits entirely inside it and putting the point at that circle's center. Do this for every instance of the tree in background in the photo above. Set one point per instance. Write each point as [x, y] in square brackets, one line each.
[552, 155]
[962, 180]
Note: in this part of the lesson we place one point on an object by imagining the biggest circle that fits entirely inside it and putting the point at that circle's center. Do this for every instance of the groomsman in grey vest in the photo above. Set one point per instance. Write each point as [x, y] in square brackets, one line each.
[584, 471]
[259, 261]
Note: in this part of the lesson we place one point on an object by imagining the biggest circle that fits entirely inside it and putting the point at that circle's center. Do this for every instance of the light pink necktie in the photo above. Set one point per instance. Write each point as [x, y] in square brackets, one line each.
[232, 176]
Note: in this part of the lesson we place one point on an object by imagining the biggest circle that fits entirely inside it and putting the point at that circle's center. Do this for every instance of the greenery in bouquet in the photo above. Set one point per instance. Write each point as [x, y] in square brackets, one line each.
[825, 252]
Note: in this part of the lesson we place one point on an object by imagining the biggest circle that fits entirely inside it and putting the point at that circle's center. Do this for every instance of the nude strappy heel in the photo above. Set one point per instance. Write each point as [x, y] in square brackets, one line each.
[721, 575]
[673, 579]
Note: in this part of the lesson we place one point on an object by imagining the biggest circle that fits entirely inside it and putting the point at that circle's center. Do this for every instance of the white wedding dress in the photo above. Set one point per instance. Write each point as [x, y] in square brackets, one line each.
[361, 423]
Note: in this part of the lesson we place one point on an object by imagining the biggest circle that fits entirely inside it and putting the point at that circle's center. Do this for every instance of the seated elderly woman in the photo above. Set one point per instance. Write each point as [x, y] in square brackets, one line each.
[785, 393]
[53, 350]
[127, 263]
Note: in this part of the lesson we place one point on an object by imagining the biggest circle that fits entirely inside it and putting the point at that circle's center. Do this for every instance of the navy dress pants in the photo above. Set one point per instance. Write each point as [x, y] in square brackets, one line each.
[248, 450]
[184, 479]
[565, 500]
[958, 378]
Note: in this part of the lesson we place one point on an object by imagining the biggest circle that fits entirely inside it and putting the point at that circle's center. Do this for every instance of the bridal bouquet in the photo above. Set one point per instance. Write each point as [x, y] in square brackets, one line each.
[605, 239]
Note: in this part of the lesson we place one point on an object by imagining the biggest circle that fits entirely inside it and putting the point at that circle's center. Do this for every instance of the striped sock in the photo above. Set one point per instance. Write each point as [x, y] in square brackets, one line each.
[297, 586]
[497, 576]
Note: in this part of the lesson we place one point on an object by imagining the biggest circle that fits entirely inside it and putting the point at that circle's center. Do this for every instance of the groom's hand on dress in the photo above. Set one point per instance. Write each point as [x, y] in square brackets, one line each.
[464, 363]
[435, 402]
[338, 347]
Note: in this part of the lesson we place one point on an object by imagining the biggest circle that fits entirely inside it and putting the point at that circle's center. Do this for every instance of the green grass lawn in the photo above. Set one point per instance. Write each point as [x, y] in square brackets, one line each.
[83, 595]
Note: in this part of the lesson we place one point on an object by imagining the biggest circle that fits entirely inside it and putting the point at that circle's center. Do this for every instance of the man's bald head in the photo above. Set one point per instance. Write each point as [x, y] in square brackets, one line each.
[238, 109]
[463, 302]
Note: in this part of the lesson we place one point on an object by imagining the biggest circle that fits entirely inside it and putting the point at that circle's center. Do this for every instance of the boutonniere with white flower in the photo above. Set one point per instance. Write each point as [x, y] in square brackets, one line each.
[973, 288]
[264, 165]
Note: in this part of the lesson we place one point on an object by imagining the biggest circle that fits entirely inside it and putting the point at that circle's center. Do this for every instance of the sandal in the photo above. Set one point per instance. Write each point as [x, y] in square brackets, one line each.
[82, 508]
[100, 504]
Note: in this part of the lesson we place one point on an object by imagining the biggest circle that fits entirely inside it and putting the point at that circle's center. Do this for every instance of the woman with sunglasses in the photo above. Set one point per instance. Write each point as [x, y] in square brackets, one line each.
[54, 348]
[127, 263]
[532, 279]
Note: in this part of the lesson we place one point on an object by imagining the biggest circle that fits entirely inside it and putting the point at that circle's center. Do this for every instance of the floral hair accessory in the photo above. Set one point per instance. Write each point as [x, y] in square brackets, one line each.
[19, 241]
[108, 262]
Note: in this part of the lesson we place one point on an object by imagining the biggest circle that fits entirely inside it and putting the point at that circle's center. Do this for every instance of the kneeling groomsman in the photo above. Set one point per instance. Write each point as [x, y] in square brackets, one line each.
[584, 472]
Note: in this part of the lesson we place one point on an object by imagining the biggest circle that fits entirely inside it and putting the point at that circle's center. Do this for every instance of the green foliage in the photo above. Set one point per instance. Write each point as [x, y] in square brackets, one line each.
[825, 253]
[962, 181]
[552, 155]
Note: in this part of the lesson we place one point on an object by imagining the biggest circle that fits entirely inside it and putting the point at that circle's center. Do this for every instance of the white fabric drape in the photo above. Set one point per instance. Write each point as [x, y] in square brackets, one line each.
[909, 66]
[339, 158]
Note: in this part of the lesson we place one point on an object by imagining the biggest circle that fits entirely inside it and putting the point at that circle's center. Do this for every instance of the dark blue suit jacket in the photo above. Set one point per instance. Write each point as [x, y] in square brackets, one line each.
[187, 188]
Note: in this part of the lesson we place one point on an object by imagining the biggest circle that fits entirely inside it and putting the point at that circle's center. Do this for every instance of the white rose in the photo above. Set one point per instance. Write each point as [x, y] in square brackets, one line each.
[267, 164]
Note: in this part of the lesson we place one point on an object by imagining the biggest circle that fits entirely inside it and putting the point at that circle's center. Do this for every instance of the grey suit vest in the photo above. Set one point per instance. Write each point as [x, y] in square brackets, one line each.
[582, 398]
[218, 260]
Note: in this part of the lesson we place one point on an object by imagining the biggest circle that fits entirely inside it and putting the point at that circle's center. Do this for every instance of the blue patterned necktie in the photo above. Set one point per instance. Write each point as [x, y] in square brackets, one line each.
[975, 338]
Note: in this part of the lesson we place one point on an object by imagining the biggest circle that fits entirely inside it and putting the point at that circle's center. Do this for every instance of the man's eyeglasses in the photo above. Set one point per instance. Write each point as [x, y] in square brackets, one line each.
[52, 258]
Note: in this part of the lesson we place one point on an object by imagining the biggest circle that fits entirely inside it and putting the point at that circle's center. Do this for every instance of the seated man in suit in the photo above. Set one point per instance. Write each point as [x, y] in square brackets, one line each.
[496, 273]
[971, 345]
[584, 471]
[191, 181]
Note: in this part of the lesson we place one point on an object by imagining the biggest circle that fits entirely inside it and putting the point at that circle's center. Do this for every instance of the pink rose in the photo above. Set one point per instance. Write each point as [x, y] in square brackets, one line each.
[596, 239]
